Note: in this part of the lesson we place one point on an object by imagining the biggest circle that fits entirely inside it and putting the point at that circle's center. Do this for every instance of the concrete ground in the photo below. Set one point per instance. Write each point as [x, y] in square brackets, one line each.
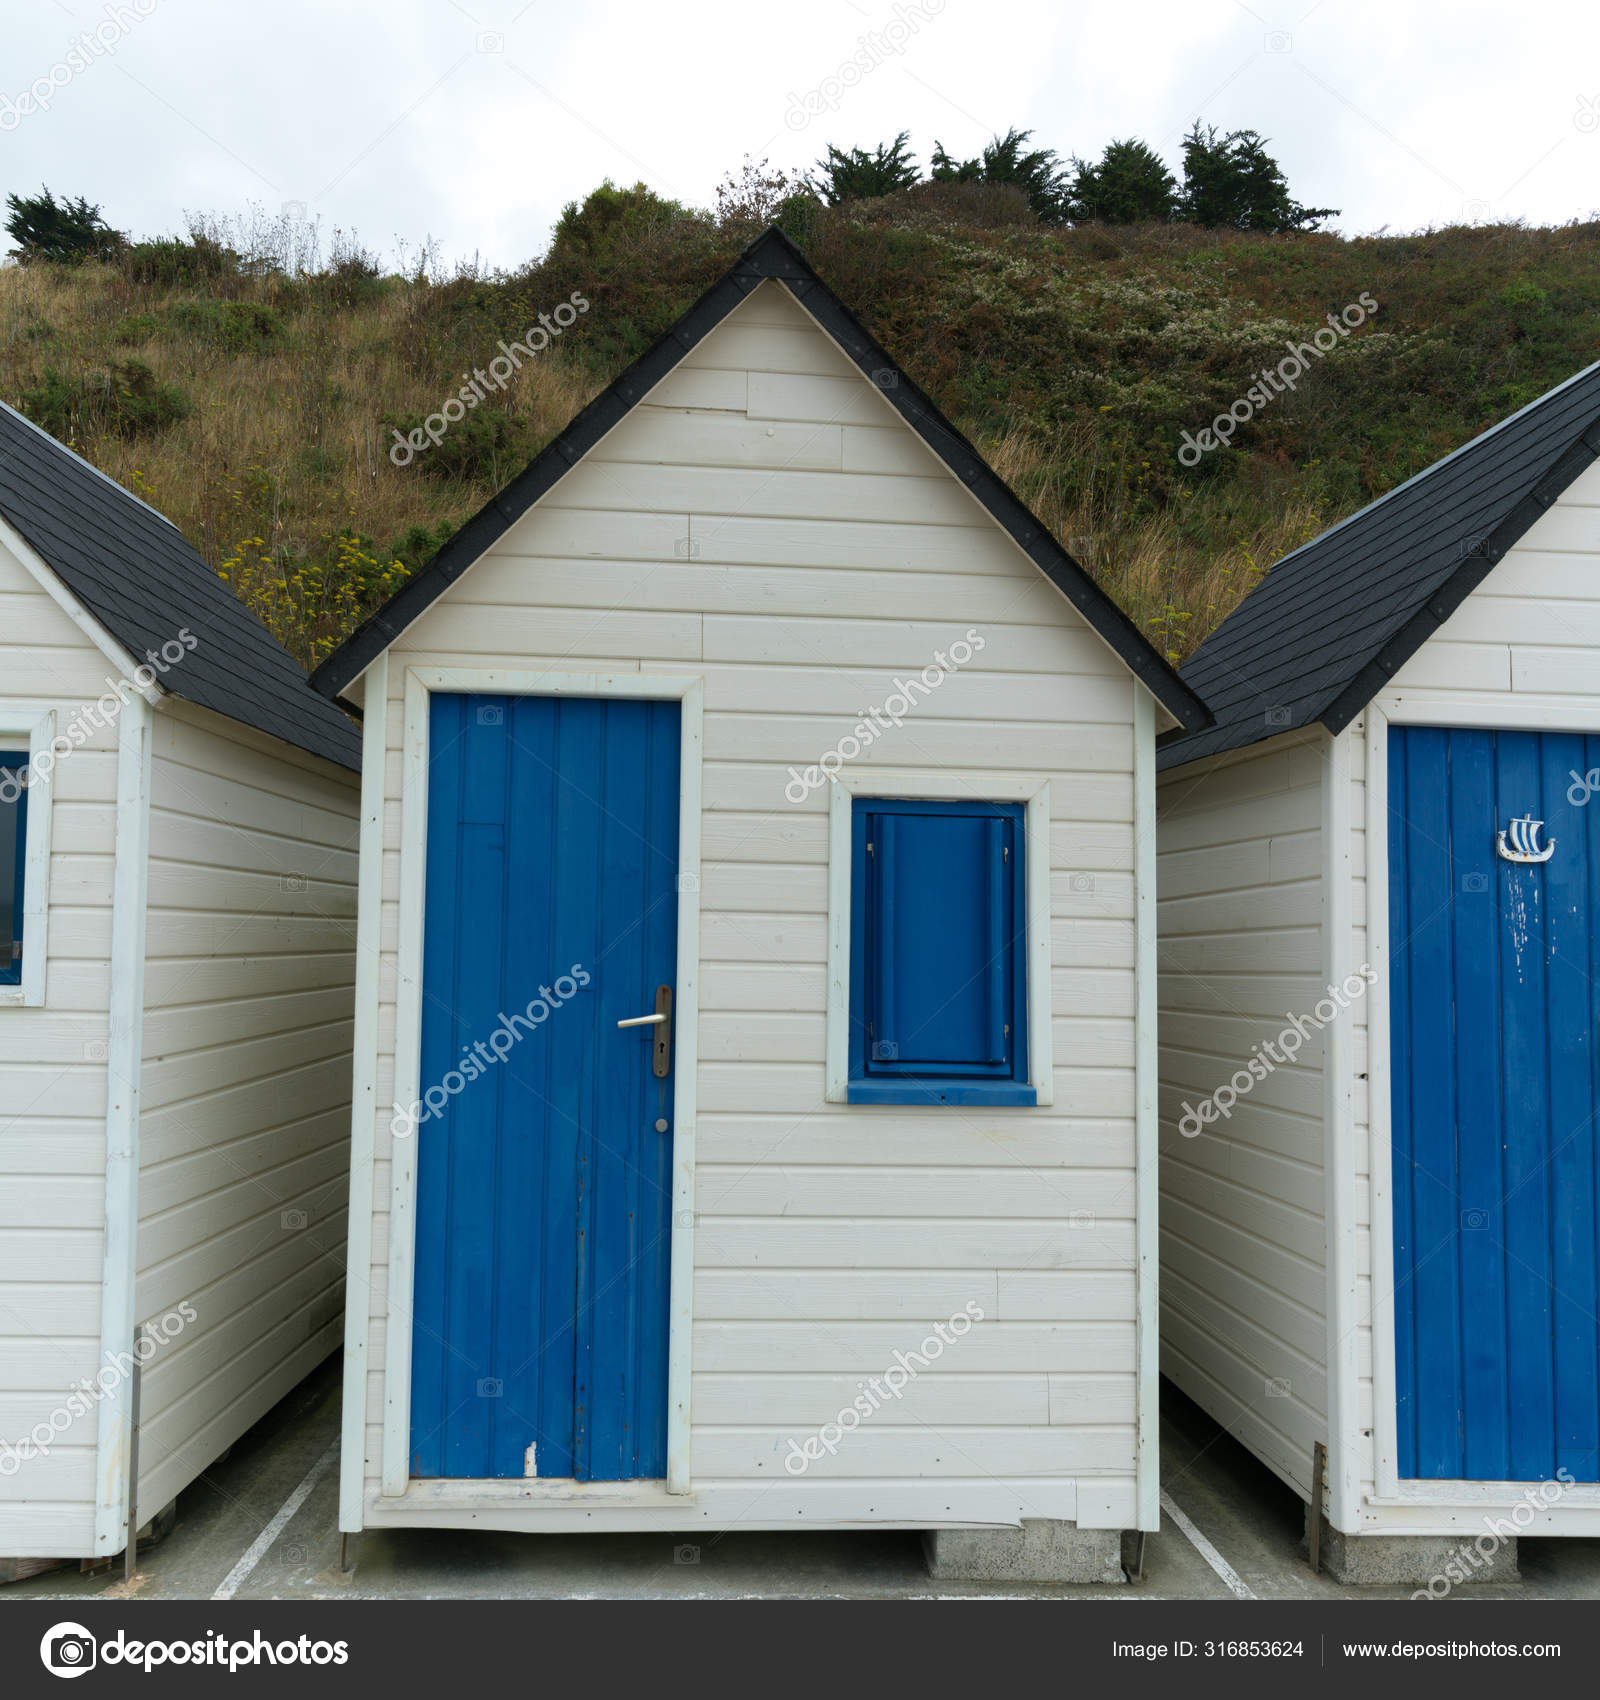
[251, 1529]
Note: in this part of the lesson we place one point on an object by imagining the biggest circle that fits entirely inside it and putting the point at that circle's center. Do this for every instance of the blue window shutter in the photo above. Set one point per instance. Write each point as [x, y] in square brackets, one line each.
[938, 953]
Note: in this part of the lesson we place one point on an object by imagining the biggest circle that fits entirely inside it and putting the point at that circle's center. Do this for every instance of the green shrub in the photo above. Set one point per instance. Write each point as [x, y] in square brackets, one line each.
[238, 327]
[489, 444]
[417, 545]
[798, 216]
[948, 201]
[136, 327]
[313, 596]
[353, 274]
[610, 220]
[1524, 296]
[317, 462]
[173, 262]
[125, 400]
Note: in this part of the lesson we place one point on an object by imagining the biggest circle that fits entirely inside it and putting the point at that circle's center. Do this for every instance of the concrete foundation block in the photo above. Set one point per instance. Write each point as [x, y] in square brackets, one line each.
[1042, 1550]
[1417, 1561]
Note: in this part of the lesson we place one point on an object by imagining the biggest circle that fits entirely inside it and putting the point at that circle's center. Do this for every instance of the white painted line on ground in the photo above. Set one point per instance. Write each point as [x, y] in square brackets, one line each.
[259, 1547]
[1230, 1577]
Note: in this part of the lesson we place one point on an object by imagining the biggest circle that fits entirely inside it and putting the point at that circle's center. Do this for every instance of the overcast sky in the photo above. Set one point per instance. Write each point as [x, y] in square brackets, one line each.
[474, 121]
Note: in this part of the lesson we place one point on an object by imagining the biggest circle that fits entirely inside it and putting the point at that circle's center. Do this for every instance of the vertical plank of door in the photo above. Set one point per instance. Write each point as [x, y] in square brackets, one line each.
[440, 931]
[1525, 1030]
[1435, 1202]
[1474, 898]
[575, 879]
[472, 1387]
[1568, 922]
[621, 977]
[534, 1358]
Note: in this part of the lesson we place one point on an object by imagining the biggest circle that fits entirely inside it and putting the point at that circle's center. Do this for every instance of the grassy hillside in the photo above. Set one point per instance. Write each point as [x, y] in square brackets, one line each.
[255, 405]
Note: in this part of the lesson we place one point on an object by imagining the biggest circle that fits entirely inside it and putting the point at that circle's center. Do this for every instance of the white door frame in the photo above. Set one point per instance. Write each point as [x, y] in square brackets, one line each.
[1341, 1305]
[124, 1074]
[363, 1093]
[1481, 710]
[420, 683]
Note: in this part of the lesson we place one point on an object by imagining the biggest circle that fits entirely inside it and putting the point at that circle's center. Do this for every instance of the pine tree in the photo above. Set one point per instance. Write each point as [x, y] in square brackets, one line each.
[1231, 182]
[66, 231]
[1130, 185]
[1038, 173]
[853, 174]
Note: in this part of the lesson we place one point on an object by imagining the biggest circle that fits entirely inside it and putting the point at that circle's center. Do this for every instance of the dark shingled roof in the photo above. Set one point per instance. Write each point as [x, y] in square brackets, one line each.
[771, 255]
[1318, 638]
[135, 573]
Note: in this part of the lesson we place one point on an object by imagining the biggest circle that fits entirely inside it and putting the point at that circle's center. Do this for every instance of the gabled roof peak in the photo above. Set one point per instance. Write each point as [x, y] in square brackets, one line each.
[771, 257]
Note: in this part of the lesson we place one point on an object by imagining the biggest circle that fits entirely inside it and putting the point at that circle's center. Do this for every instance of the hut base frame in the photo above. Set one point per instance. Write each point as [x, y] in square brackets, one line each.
[1415, 1561]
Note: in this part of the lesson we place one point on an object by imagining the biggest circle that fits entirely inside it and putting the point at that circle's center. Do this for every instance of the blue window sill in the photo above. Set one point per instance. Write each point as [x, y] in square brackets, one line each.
[941, 1092]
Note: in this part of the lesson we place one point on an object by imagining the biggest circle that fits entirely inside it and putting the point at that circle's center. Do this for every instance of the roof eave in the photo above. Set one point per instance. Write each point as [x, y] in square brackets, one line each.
[1478, 560]
[1476, 565]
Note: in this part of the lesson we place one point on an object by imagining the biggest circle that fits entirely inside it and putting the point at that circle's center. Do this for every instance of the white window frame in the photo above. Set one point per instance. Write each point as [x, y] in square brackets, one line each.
[24, 726]
[907, 786]
[421, 682]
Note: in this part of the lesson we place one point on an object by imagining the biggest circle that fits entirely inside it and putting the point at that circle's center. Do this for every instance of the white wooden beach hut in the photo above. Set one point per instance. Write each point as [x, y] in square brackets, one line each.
[754, 1073]
[1380, 887]
[177, 872]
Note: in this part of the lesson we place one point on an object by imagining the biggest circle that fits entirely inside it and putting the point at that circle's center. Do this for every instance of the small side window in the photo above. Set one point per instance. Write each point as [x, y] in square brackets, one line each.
[13, 861]
[938, 957]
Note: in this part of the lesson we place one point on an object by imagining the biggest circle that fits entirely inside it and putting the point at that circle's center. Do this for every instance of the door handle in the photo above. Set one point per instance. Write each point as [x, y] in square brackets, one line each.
[661, 1020]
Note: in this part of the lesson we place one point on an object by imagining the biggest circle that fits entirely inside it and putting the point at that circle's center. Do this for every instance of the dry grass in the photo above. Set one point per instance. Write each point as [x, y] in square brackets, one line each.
[1162, 564]
[1073, 358]
[283, 450]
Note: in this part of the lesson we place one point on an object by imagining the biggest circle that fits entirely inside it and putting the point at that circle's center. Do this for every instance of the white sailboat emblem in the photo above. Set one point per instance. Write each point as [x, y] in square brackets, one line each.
[1520, 841]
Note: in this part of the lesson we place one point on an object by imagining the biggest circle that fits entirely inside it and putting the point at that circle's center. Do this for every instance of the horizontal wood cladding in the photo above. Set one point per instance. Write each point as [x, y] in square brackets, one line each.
[244, 1121]
[1241, 952]
[767, 522]
[53, 1087]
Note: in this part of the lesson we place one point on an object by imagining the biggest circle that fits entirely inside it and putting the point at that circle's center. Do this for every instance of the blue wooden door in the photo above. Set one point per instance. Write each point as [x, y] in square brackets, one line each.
[539, 1326]
[1493, 1013]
